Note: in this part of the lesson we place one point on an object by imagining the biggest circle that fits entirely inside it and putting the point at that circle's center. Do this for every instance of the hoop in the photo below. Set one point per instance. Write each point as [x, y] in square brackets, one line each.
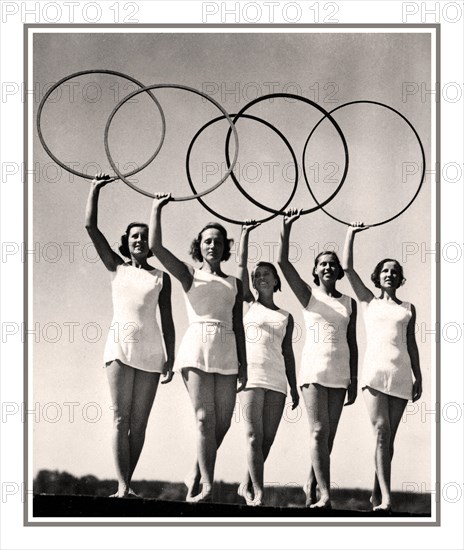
[180, 87]
[96, 71]
[326, 115]
[225, 218]
[420, 145]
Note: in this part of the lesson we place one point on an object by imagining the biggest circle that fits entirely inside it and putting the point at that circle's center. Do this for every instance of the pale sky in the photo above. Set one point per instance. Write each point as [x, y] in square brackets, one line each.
[72, 296]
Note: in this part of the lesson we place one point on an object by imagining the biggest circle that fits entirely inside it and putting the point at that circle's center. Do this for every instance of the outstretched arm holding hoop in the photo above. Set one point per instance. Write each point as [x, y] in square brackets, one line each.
[243, 274]
[363, 294]
[110, 259]
[176, 267]
[301, 290]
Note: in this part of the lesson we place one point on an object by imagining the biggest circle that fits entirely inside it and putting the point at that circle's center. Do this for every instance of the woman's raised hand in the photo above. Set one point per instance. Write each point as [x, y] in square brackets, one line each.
[357, 227]
[249, 225]
[292, 215]
[101, 179]
[161, 199]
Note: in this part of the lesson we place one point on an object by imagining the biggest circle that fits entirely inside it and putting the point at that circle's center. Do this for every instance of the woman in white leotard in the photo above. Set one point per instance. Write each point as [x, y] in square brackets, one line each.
[134, 354]
[212, 354]
[329, 364]
[271, 363]
[390, 360]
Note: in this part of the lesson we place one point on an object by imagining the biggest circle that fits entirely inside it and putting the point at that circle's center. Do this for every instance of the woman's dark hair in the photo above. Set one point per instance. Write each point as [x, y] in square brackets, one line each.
[341, 273]
[278, 285]
[124, 247]
[375, 277]
[195, 250]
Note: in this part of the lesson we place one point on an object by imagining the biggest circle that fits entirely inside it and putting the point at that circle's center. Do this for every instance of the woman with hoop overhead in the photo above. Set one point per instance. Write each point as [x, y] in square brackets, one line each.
[271, 364]
[134, 354]
[212, 353]
[329, 362]
[390, 358]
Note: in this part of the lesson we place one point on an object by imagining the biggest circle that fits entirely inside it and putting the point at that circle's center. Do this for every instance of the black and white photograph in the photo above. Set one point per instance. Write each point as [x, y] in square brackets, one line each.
[270, 187]
[231, 280]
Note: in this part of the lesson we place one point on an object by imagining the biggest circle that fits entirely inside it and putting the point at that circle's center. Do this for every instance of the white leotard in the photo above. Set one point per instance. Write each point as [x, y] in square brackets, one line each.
[326, 355]
[209, 343]
[264, 332]
[134, 337]
[387, 365]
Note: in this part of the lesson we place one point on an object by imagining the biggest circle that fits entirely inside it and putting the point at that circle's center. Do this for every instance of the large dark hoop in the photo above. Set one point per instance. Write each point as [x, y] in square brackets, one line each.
[96, 71]
[326, 115]
[420, 145]
[225, 218]
[180, 87]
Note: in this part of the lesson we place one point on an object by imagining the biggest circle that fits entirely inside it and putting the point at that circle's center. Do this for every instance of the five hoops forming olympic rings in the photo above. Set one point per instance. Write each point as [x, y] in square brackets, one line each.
[232, 120]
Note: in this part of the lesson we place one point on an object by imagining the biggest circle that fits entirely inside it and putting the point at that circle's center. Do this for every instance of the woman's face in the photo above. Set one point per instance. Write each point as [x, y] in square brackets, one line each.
[138, 240]
[264, 279]
[212, 245]
[327, 268]
[389, 276]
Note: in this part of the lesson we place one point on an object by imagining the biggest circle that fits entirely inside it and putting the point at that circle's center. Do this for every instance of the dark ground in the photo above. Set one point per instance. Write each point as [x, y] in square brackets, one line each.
[62, 495]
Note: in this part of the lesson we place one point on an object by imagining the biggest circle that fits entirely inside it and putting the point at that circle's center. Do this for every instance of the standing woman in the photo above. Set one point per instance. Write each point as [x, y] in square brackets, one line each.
[329, 362]
[391, 354]
[271, 364]
[134, 354]
[212, 353]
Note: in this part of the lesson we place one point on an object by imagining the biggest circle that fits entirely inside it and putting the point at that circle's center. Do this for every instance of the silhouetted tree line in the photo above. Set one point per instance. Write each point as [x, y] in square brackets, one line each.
[63, 483]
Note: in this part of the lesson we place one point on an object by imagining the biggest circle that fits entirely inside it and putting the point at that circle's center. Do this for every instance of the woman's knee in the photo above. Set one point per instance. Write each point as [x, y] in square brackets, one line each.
[121, 420]
[205, 420]
[319, 433]
[382, 432]
[255, 439]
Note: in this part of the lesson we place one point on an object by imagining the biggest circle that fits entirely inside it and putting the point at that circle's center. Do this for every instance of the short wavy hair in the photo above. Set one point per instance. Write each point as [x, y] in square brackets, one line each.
[195, 250]
[272, 267]
[341, 272]
[375, 277]
[124, 246]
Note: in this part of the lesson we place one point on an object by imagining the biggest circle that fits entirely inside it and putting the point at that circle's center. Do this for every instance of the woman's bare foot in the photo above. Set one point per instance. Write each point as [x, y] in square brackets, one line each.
[245, 491]
[122, 492]
[205, 495]
[385, 508]
[192, 480]
[322, 504]
[311, 496]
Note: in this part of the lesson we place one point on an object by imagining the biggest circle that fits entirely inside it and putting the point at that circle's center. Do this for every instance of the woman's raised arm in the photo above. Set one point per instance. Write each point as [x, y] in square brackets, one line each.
[363, 294]
[110, 259]
[176, 267]
[243, 274]
[301, 290]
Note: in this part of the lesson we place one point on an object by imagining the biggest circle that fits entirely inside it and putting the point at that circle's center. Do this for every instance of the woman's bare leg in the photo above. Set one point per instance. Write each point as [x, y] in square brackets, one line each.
[252, 405]
[121, 382]
[324, 407]
[396, 408]
[316, 402]
[200, 387]
[385, 413]
[143, 396]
